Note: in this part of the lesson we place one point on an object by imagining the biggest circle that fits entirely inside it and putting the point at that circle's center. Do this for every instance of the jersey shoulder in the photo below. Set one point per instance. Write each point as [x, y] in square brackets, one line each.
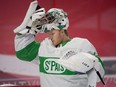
[79, 40]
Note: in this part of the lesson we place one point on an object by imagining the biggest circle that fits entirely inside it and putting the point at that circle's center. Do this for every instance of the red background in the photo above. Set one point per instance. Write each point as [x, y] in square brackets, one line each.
[93, 19]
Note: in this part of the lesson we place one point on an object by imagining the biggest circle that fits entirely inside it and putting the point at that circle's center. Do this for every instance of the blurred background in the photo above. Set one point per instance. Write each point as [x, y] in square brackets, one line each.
[91, 19]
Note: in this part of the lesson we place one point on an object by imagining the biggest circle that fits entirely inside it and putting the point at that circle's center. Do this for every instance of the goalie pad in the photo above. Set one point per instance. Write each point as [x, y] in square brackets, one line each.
[81, 62]
[85, 63]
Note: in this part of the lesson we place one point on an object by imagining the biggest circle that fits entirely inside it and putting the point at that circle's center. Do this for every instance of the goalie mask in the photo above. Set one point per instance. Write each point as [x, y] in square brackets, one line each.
[53, 19]
[58, 19]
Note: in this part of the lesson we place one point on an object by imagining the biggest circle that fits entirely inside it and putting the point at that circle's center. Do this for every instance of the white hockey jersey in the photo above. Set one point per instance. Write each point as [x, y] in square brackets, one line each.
[52, 73]
[55, 75]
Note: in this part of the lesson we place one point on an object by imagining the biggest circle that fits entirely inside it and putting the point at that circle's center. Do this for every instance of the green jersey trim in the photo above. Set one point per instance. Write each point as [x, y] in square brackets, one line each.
[99, 59]
[64, 43]
[29, 52]
[48, 65]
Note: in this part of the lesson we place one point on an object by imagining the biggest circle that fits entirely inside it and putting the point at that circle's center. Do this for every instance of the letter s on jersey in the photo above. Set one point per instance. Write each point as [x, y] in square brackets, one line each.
[50, 66]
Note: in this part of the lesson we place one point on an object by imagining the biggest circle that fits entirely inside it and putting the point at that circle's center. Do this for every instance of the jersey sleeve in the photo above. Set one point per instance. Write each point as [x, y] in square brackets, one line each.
[88, 47]
[26, 47]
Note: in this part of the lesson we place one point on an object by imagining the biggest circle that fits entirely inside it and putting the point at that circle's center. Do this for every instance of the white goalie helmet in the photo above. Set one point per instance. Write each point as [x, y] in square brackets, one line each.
[59, 18]
[53, 19]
